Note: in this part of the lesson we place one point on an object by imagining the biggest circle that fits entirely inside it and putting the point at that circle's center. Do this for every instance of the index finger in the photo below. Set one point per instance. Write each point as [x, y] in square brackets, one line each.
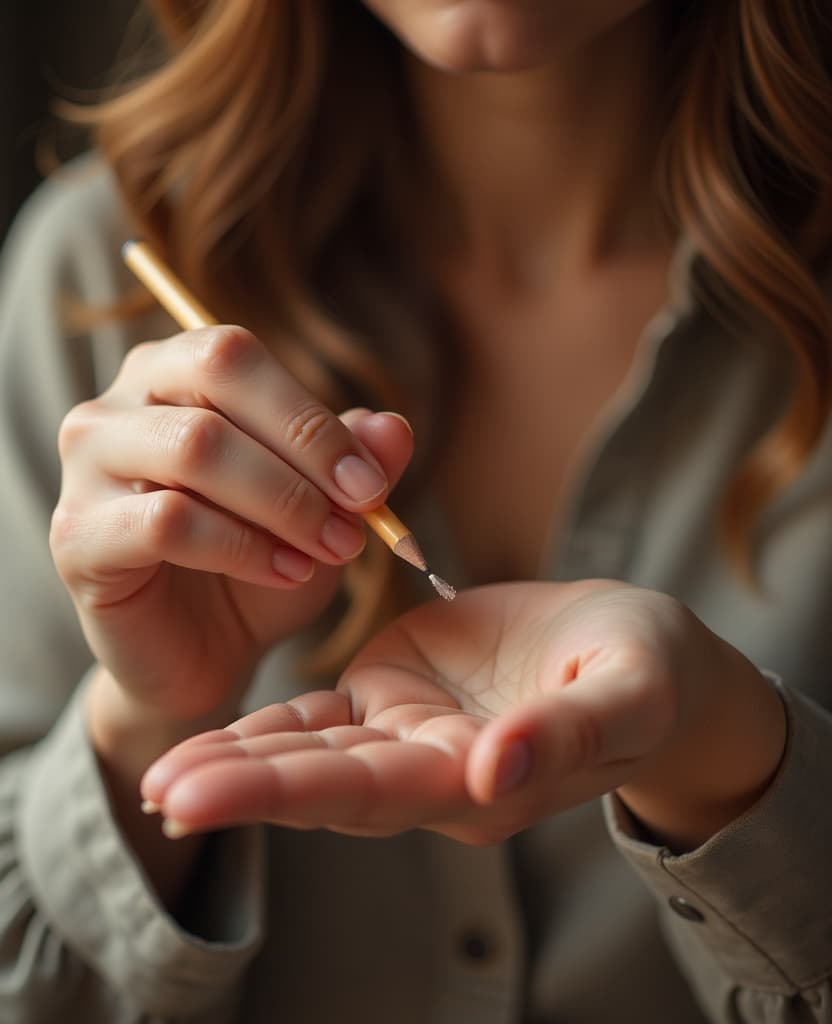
[382, 785]
[226, 368]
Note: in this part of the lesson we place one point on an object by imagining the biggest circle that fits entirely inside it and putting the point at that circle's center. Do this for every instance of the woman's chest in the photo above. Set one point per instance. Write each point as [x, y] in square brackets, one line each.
[527, 409]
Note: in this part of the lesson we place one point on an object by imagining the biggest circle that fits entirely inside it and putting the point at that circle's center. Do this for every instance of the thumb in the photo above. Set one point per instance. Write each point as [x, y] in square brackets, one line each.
[575, 743]
[388, 436]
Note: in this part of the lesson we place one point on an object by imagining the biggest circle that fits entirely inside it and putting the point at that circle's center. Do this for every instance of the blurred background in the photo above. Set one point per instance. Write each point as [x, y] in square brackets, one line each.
[67, 48]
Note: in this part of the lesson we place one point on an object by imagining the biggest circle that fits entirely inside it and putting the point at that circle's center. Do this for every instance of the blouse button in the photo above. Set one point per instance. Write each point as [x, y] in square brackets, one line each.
[477, 946]
[684, 909]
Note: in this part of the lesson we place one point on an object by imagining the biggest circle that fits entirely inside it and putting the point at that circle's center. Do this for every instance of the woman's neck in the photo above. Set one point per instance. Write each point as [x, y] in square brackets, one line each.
[552, 164]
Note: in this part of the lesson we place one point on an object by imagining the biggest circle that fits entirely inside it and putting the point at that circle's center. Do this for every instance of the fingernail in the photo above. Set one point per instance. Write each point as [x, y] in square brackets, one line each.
[513, 767]
[149, 807]
[174, 829]
[358, 479]
[342, 538]
[293, 564]
[398, 415]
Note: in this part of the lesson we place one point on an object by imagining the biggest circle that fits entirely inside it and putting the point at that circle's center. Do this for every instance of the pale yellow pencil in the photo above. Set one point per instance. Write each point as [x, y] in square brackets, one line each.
[190, 314]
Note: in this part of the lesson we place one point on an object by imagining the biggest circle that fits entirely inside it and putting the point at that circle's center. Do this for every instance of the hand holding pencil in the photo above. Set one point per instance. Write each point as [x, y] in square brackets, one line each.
[190, 313]
[208, 506]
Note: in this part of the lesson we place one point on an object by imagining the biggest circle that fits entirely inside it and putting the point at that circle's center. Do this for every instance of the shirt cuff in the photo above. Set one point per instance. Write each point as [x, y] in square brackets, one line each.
[94, 891]
[755, 894]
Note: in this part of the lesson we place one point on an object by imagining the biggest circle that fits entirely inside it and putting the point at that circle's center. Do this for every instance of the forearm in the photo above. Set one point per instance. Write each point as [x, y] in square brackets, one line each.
[721, 764]
[127, 738]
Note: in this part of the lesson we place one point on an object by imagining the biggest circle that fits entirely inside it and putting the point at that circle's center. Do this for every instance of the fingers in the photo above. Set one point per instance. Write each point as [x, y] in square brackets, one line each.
[139, 531]
[201, 452]
[416, 766]
[575, 744]
[307, 765]
[228, 370]
[388, 436]
[246, 439]
[344, 777]
[315, 710]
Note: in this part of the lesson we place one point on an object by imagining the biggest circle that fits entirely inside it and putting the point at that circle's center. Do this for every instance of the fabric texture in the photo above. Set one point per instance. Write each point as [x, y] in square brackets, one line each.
[574, 920]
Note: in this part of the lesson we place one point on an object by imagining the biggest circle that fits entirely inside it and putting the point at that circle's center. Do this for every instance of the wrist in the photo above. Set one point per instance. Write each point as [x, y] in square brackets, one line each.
[128, 734]
[127, 737]
[720, 762]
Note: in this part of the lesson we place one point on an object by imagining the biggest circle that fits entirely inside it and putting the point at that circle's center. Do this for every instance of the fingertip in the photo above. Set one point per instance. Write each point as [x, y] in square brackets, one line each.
[362, 418]
[165, 770]
[151, 790]
[220, 793]
[174, 829]
[389, 437]
[398, 417]
[513, 767]
[502, 757]
[352, 417]
[496, 770]
[292, 565]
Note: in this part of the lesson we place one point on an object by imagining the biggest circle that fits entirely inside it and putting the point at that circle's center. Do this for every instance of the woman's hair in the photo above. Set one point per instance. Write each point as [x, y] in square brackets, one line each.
[748, 165]
[267, 158]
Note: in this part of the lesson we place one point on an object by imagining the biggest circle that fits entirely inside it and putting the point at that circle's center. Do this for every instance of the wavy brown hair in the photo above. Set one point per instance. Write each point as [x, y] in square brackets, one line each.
[749, 178]
[263, 156]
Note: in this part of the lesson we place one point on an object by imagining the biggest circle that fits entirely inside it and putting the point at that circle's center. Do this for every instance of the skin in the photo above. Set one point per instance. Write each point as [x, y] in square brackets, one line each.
[439, 725]
[504, 36]
[222, 462]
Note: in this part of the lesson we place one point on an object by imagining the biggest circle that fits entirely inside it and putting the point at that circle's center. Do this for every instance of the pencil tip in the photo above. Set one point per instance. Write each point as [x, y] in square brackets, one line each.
[409, 550]
[443, 588]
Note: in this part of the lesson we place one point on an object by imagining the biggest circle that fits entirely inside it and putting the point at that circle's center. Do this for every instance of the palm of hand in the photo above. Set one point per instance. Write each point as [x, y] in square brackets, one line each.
[441, 713]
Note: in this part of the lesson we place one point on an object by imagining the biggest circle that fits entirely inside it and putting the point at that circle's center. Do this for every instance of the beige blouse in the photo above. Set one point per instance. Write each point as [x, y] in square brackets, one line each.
[555, 926]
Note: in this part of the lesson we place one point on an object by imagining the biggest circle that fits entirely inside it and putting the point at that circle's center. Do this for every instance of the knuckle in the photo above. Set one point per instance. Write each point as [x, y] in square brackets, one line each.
[308, 424]
[221, 352]
[296, 501]
[62, 529]
[238, 546]
[166, 520]
[137, 357]
[71, 536]
[195, 438]
[133, 365]
[76, 426]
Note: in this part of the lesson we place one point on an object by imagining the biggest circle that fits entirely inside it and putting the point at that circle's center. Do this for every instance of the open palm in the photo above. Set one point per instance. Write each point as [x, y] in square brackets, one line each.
[473, 719]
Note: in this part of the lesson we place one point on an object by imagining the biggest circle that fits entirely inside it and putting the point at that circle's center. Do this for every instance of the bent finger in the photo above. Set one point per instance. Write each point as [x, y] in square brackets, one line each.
[141, 531]
[199, 451]
[387, 435]
[226, 368]
[583, 735]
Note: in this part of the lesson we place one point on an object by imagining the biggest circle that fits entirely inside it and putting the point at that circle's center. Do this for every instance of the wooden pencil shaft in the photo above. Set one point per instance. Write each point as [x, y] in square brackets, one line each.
[387, 525]
[184, 307]
[190, 314]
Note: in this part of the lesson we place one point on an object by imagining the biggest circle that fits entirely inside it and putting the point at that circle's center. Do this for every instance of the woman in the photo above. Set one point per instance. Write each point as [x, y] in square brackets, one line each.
[581, 248]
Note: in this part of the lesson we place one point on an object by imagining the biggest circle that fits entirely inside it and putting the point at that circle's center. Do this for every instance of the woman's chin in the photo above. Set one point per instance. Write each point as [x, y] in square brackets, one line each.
[473, 58]
[471, 40]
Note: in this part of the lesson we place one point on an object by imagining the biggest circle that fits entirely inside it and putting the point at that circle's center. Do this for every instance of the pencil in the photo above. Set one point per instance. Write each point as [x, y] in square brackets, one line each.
[190, 314]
